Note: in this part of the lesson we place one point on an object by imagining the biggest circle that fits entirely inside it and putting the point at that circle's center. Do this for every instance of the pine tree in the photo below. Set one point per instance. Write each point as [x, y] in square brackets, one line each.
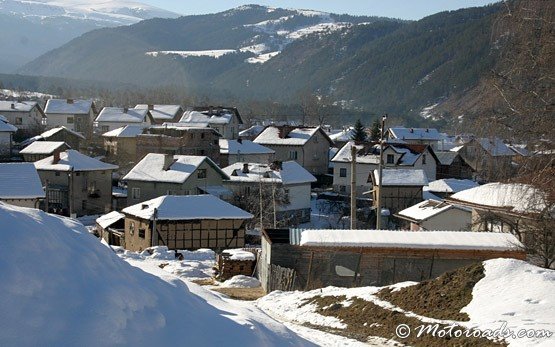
[359, 132]
[375, 131]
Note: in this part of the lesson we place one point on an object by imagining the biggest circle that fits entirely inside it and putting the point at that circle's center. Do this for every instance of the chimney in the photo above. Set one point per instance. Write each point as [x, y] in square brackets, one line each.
[411, 130]
[245, 167]
[69, 101]
[56, 157]
[125, 109]
[240, 141]
[144, 206]
[168, 161]
[427, 130]
[284, 130]
[12, 106]
[276, 165]
[150, 107]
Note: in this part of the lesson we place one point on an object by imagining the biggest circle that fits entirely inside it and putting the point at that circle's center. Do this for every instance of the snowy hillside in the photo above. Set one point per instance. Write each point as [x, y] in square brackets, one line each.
[60, 286]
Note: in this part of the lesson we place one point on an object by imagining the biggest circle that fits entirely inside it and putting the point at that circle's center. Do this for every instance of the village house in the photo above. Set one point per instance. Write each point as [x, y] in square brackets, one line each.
[417, 136]
[60, 134]
[290, 182]
[294, 259]
[6, 137]
[401, 188]
[490, 159]
[233, 151]
[111, 118]
[20, 185]
[184, 222]
[74, 114]
[308, 146]
[163, 113]
[226, 121]
[446, 187]
[111, 228]
[41, 149]
[451, 165]
[178, 139]
[121, 145]
[436, 215]
[76, 184]
[398, 155]
[342, 137]
[502, 207]
[252, 132]
[165, 174]
[24, 115]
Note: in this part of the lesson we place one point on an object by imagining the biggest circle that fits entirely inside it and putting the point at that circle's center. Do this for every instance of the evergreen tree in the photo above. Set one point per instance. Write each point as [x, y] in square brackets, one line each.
[359, 132]
[375, 131]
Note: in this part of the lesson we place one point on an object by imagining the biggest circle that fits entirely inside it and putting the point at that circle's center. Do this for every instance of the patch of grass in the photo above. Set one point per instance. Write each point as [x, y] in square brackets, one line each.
[241, 293]
[440, 298]
[365, 319]
[204, 281]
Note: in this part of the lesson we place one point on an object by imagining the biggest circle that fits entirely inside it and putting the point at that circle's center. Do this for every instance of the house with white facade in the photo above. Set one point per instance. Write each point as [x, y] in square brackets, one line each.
[24, 115]
[165, 174]
[308, 146]
[111, 118]
[20, 185]
[227, 121]
[163, 113]
[233, 151]
[287, 182]
[436, 215]
[6, 137]
[74, 114]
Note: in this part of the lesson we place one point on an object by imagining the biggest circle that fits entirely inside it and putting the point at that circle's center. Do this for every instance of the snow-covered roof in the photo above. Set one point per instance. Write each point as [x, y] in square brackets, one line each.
[252, 131]
[186, 207]
[20, 181]
[54, 131]
[109, 219]
[161, 112]
[68, 106]
[5, 126]
[151, 168]
[16, 106]
[344, 154]
[513, 197]
[460, 240]
[242, 147]
[446, 158]
[495, 147]
[42, 147]
[132, 130]
[239, 254]
[402, 177]
[296, 137]
[415, 133]
[409, 156]
[203, 119]
[519, 149]
[72, 160]
[450, 185]
[118, 114]
[343, 136]
[290, 173]
[427, 195]
[425, 210]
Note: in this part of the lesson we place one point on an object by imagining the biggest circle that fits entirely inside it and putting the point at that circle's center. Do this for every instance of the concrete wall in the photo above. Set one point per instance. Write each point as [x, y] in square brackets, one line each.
[452, 219]
[151, 190]
[214, 234]
[228, 159]
[32, 203]
[363, 172]
[81, 122]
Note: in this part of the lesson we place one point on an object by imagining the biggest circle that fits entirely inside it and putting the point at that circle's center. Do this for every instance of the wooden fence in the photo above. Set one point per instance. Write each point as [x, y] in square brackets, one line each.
[281, 278]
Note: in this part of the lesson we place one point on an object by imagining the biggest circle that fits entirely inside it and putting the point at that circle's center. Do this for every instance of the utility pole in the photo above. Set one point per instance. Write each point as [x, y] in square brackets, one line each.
[353, 186]
[380, 169]
[260, 200]
[274, 203]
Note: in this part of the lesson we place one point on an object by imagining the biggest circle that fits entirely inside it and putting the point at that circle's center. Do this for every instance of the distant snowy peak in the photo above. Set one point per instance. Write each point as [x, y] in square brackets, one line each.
[106, 13]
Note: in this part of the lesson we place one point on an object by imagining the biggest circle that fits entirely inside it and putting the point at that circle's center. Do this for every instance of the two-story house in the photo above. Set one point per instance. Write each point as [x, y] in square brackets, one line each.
[233, 151]
[74, 114]
[24, 115]
[163, 113]
[417, 136]
[76, 184]
[308, 146]
[6, 137]
[227, 121]
[165, 174]
[111, 118]
[490, 159]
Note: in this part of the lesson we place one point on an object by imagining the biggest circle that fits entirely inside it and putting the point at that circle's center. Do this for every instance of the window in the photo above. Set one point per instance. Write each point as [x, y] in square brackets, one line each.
[136, 193]
[131, 228]
[215, 142]
[247, 190]
[201, 135]
[77, 173]
[142, 233]
[424, 159]
[342, 172]
[315, 139]
[18, 121]
[69, 120]
[342, 189]
[104, 128]
[84, 204]
[201, 173]
[192, 135]
[171, 192]
[293, 155]
[390, 159]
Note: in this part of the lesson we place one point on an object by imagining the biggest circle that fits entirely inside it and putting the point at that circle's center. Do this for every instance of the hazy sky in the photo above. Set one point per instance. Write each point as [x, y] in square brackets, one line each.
[405, 9]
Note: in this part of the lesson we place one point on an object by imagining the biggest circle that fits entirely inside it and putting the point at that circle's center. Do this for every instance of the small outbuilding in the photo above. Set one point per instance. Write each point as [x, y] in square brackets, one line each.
[184, 222]
[20, 185]
[437, 215]
[110, 227]
[39, 150]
